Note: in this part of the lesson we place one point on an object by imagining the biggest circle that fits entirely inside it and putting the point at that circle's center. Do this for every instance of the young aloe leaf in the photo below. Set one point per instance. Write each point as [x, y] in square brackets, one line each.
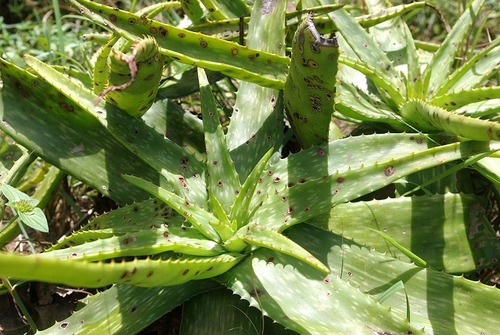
[223, 181]
[309, 92]
[126, 309]
[373, 72]
[261, 236]
[140, 272]
[354, 103]
[204, 221]
[475, 71]
[257, 119]
[372, 59]
[437, 71]
[412, 256]
[241, 211]
[427, 117]
[488, 108]
[191, 48]
[185, 240]
[457, 99]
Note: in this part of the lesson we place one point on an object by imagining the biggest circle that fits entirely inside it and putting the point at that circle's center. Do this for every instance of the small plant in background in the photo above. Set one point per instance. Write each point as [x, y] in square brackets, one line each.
[207, 208]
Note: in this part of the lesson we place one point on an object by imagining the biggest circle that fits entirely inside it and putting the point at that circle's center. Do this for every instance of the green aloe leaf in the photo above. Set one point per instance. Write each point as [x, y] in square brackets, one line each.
[185, 240]
[125, 309]
[191, 48]
[438, 70]
[73, 141]
[223, 180]
[261, 236]
[372, 60]
[292, 192]
[346, 300]
[140, 272]
[204, 221]
[257, 119]
[167, 158]
[475, 71]
[428, 118]
[455, 100]
[448, 231]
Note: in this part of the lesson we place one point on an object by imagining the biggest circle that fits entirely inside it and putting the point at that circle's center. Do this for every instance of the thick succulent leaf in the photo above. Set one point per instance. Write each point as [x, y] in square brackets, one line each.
[191, 48]
[475, 71]
[447, 230]
[159, 152]
[232, 315]
[324, 176]
[241, 211]
[373, 72]
[389, 35]
[125, 309]
[257, 119]
[204, 221]
[343, 300]
[371, 58]
[223, 181]
[145, 214]
[140, 272]
[185, 240]
[437, 71]
[309, 92]
[148, 214]
[261, 236]
[457, 99]
[339, 307]
[489, 107]
[356, 104]
[223, 9]
[185, 129]
[427, 117]
[73, 139]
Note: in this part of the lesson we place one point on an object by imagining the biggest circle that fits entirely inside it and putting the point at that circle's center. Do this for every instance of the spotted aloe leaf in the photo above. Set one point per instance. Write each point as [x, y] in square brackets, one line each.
[309, 91]
[77, 140]
[185, 240]
[257, 119]
[428, 117]
[358, 276]
[223, 180]
[203, 220]
[164, 156]
[295, 193]
[260, 280]
[126, 309]
[437, 72]
[140, 272]
[191, 48]
[261, 236]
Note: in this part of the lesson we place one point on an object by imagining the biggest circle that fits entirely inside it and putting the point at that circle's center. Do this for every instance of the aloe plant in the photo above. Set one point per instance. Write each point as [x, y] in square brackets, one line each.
[229, 208]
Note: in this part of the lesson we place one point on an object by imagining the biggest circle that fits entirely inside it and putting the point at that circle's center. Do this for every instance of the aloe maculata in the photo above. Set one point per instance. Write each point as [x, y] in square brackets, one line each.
[229, 206]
